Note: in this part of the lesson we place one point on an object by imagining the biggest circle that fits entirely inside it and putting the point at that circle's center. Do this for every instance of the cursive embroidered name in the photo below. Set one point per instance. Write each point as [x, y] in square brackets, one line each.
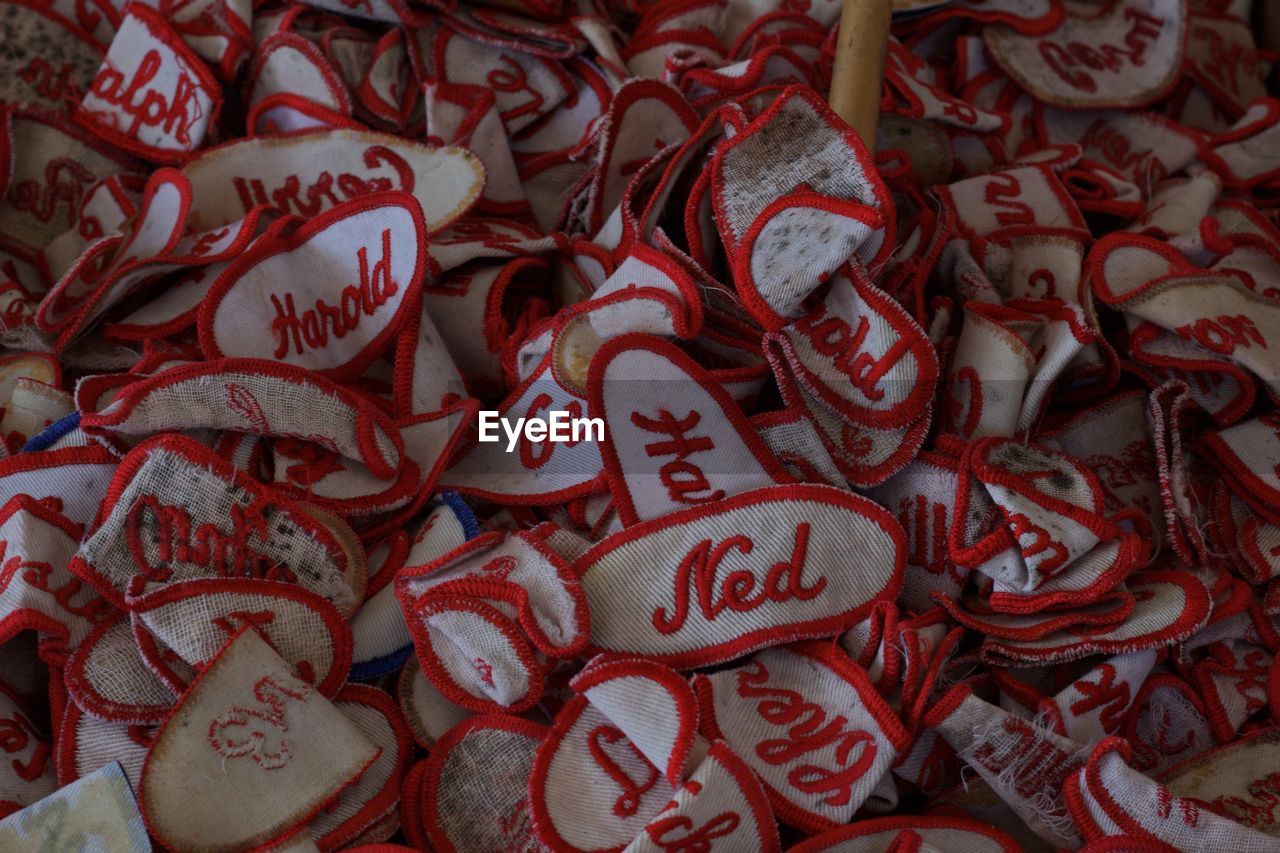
[1035, 542]
[259, 732]
[679, 834]
[1223, 334]
[1003, 191]
[832, 337]
[41, 576]
[738, 592]
[1261, 808]
[326, 191]
[1117, 149]
[926, 526]
[1108, 694]
[50, 81]
[64, 182]
[808, 730]
[144, 105]
[629, 802]
[312, 329]
[684, 481]
[1070, 61]
[1031, 764]
[159, 535]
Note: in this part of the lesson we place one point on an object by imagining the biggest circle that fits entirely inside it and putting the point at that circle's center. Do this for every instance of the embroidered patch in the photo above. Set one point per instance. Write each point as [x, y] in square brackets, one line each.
[1128, 56]
[250, 719]
[724, 593]
[366, 260]
[770, 711]
[152, 96]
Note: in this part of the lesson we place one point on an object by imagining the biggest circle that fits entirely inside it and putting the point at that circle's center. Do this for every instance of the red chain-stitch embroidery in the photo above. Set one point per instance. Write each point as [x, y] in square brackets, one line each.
[1001, 191]
[1223, 334]
[242, 401]
[1262, 810]
[313, 328]
[1106, 692]
[174, 536]
[514, 81]
[234, 734]
[177, 116]
[629, 803]
[677, 834]
[809, 730]
[1164, 806]
[833, 337]
[1143, 28]
[327, 191]
[16, 733]
[52, 82]
[927, 523]
[65, 182]
[1021, 526]
[1044, 767]
[696, 575]
[684, 481]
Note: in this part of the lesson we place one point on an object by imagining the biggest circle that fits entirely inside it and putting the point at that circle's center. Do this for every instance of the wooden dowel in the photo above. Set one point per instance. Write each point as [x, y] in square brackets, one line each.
[859, 68]
[1267, 17]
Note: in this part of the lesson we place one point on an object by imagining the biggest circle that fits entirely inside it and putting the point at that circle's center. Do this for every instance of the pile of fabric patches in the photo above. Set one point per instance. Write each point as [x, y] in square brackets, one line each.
[935, 504]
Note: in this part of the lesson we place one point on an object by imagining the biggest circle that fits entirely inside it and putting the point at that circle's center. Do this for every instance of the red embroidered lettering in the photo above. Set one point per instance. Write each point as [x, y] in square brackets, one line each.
[833, 337]
[1261, 811]
[65, 182]
[56, 84]
[1040, 766]
[514, 81]
[312, 329]
[1115, 697]
[697, 574]
[926, 526]
[1223, 334]
[1066, 60]
[1021, 526]
[808, 730]
[677, 834]
[248, 731]
[327, 191]
[176, 114]
[1002, 191]
[16, 733]
[629, 803]
[168, 532]
[684, 481]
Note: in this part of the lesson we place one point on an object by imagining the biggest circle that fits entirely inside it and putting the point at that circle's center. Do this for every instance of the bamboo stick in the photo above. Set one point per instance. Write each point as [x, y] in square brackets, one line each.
[859, 67]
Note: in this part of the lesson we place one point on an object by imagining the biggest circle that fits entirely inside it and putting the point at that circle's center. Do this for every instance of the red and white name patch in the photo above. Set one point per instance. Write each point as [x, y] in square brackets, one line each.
[177, 512]
[807, 720]
[247, 395]
[252, 737]
[364, 262]
[478, 613]
[721, 581]
[674, 438]
[1126, 56]
[37, 592]
[153, 96]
